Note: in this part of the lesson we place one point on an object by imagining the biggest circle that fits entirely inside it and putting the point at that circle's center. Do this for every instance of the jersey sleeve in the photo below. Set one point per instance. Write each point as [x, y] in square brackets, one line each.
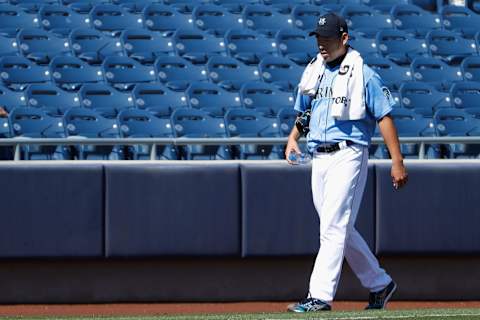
[378, 98]
[301, 102]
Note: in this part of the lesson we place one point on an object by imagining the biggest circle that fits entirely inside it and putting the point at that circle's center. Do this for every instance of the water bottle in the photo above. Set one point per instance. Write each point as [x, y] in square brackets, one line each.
[299, 158]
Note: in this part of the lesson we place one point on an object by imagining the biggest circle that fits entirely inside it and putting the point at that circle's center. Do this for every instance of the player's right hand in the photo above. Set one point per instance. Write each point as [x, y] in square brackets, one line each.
[292, 146]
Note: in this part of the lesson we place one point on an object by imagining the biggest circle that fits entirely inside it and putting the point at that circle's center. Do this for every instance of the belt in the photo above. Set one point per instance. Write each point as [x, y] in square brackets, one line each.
[332, 147]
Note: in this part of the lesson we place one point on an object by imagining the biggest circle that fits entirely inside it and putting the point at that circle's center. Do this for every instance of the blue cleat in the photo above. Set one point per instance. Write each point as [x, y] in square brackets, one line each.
[379, 299]
[309, 305]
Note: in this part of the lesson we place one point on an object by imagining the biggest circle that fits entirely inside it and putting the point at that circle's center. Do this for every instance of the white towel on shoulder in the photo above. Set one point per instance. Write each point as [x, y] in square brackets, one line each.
[348, 100]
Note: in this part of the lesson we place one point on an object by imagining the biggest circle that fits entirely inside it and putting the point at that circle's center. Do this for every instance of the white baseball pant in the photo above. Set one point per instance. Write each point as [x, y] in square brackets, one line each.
[338, 181]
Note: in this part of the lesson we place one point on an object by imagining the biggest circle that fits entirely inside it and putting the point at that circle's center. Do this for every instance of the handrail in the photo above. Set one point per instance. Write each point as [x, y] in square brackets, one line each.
[20, 141]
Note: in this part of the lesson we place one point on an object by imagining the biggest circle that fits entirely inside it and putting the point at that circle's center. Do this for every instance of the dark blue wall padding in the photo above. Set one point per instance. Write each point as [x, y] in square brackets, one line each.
[436, 213]
[278, 215]
[51, 210]
[173, 209]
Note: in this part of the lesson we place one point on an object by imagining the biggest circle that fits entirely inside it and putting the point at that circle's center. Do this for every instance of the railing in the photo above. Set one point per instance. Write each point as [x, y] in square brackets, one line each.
[154, 142]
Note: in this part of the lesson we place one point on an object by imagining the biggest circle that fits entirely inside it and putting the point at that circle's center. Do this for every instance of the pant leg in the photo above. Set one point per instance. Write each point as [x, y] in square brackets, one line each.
[342, 177]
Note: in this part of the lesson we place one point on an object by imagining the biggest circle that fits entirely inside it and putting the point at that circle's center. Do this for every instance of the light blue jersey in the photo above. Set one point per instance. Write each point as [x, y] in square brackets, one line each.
[326, 129]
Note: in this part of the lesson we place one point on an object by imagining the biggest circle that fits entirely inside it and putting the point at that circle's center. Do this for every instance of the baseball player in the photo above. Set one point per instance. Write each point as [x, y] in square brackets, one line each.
[340, 100]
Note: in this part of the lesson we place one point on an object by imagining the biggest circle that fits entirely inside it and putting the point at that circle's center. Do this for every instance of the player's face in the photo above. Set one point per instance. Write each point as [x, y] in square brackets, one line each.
[332, 48]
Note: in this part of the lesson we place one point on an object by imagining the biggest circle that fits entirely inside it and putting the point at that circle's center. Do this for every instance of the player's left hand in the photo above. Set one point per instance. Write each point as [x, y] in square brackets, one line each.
[399, 175]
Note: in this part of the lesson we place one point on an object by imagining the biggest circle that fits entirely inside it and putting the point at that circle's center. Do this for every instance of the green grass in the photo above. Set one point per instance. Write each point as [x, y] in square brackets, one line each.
[424, 314]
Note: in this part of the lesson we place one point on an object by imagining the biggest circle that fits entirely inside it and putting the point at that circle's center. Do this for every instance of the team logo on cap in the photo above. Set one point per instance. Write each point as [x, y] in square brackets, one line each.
[322, 21]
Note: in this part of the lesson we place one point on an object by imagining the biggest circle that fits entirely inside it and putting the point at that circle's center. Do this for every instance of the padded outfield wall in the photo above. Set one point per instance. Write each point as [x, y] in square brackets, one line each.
[223, 231]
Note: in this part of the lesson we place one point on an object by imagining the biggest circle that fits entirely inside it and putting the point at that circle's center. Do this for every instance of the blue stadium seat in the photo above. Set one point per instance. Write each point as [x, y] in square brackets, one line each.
[383, 6]
[36, 123]
[146, 46]
[135, 123]
[105, 99]
[113, 19]
[9, 46]
[211, 98]
[197, 46]
[423, 98]
[470, 68]
[184, 6]
[61, 19]
[465, 94]
[13, 18]
[41, 46]
[365, 19]
[5, 131]
[124, 72]
[133, 6]
[415, 20]
[456, 122]
[281, 72]
[194, 123]
[392, 74]
[82, 6]
[235, 6]
[51, 98]
[17, 72]
[177, 73]
[86, 123]
[296, 45]
[69, 73]
[462, 19]
[305, 16]
[265, 98]
[265, 19]
[287, 117]
[248, 124]
[249, 46]
[366, 46]
[166, 19]
[449, 46]
[92, 46]
[10, 99]
[436, 72]
[158, 99]
[215, 19]
[400, 47]
[229, 73]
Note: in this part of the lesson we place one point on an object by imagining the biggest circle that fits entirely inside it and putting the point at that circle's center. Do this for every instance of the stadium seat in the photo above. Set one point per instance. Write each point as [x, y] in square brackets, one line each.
[92, 46]
[365, 19]
[166, 19]
[462, 19]
[392, 74]
[9, 46]
[456, 122]
[415, 20]
[82, 6]
[296, 45]
[36, 123]
[10, 99]
[69, 73]
[248, 124]
[249, 46]
[449, 46]
[399, 47]
[17, 72]
[287, 117]
[158, 99]
[185, 6]
[211, 98]
[41, 46]
[135, 123]
[366, 46]
[436, 72]
[305, 16]
[146, 46]
[465, 95]
[194, 123]
[265, 98]
[105, 99]
[123, 72]
[423, 98]
[197, 46]
[87, 123]
[5, 131]
[61, 19]
[113, 19]
[229, 73]
[177, 73]
[470, 68]
[51, 98]
[281, 72]
[215, 19]
[383, 6]
[13, 18]
[265, 19]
